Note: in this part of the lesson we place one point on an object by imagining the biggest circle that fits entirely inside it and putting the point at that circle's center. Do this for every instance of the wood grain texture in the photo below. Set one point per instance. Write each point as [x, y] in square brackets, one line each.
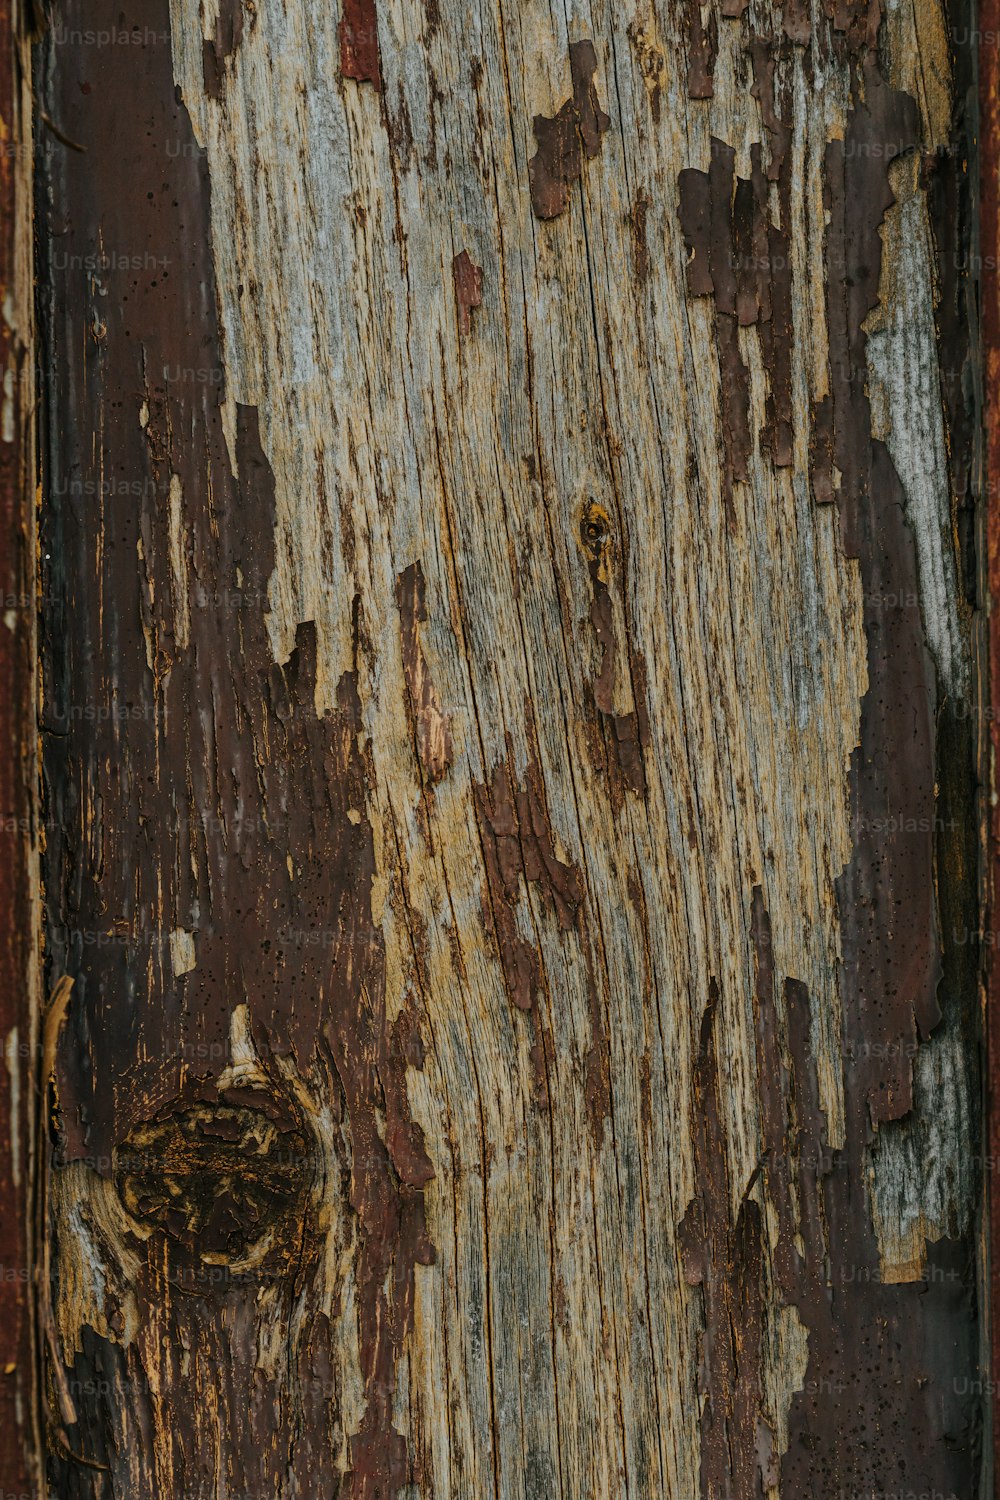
[509, 751]
[989, 643]
[20, 833]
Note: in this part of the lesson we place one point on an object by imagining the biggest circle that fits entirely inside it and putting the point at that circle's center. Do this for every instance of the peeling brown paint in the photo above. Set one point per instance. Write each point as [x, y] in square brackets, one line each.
[796, 22]
[855, 24]
[631, 734]
[569, 138]
[638, 220]
[821, 469]
[735, 387]
[468, 288]
[432, 727]
[706, 217]
[881, 1363]
[765, 52]
[695, 215]
[222, 46]
[887, 894]
[359, 49]
[628, 733]
[518, 844]
[741, 258]
[773, 237]
[793, 1125]
[229, 809]
[876, 1351]
[724, 1260]
[702, 50]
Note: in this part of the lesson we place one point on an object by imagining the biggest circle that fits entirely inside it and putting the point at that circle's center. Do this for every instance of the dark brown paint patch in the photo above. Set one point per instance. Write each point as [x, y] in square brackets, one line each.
[706, 208]
[637, 222]
[821, 465]
[735, 387]
[627, 735]
[518, 845]
[886, 1404]
[359, 49]
[569, 138]
[432, 727]
[881, 1409]
[724, 1261]
[702, 49]
[886, 896]
[468, 279]
[772, 239]
[222, 46]
[765, 53]
[856, 26]
[793, 1126]
[738, 256]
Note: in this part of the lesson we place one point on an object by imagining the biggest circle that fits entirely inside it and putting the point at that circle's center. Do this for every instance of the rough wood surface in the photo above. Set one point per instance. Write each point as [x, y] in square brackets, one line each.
[509, 750]
[989, 652]
[20, 913]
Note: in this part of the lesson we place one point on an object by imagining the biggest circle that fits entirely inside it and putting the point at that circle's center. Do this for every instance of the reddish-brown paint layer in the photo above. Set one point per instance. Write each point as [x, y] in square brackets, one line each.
[359, 50]
[468, 288]
[703, 46]
[569, 138]
[17, 801]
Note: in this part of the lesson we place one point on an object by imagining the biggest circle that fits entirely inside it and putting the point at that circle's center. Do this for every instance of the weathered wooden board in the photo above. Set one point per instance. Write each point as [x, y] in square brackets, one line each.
[509, 710]
[989, 559]
[20, 914]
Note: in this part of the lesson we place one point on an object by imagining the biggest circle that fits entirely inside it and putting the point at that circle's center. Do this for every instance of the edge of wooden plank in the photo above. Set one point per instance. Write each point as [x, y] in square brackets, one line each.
[989, 181]
[20, 1446]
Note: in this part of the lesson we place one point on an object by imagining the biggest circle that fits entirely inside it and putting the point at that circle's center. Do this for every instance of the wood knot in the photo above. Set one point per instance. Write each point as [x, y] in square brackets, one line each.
[226, 1187]
[595, 531]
